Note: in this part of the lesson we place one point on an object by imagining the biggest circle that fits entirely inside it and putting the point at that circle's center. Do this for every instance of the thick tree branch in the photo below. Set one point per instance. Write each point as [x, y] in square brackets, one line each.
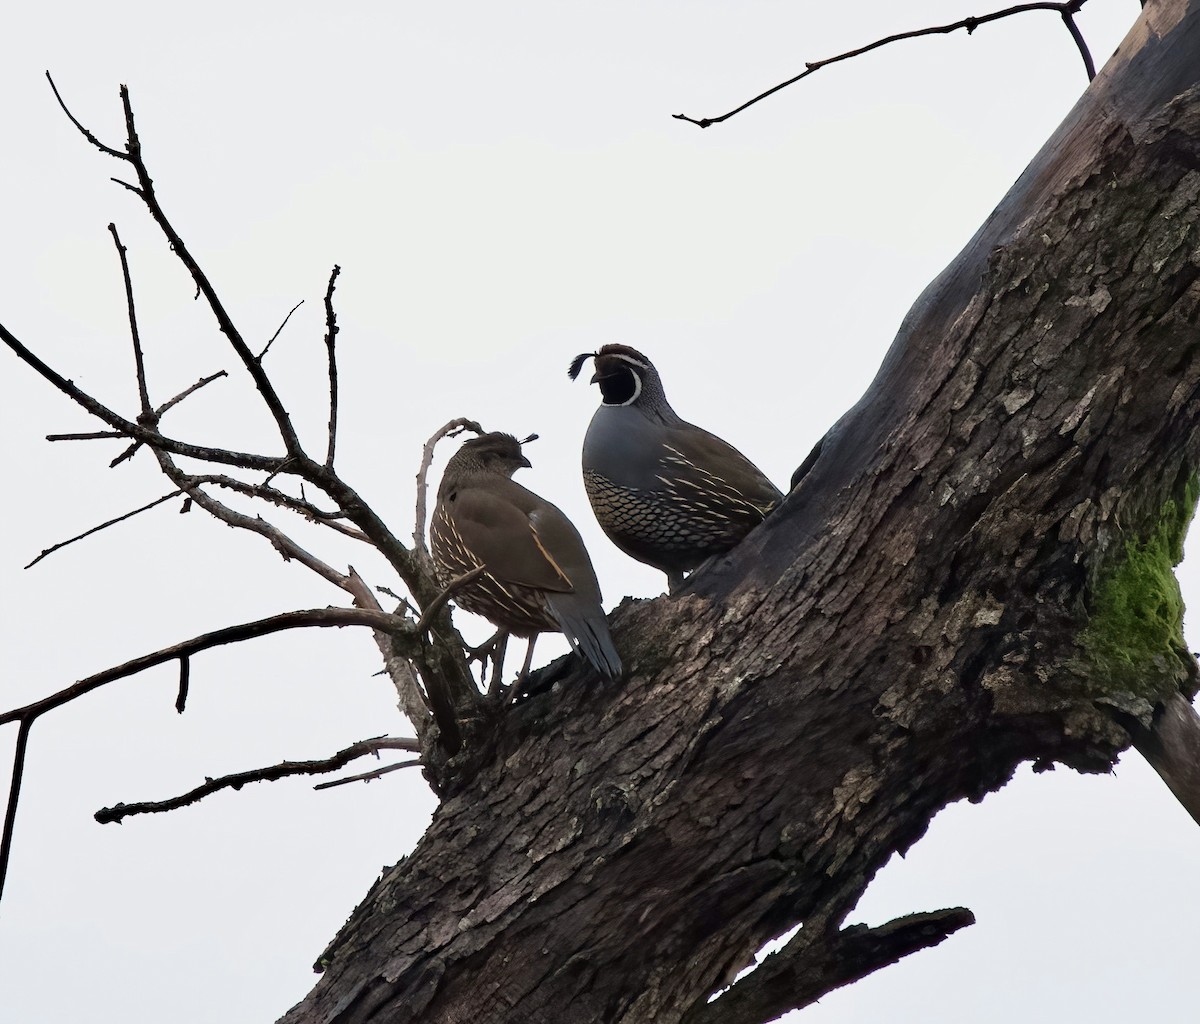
[1066, 10]
[815, 962]
[1172, 747]
[362, 748]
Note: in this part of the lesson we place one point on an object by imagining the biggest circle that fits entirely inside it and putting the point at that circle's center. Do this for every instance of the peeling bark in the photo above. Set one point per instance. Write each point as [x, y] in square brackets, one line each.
[902, 634]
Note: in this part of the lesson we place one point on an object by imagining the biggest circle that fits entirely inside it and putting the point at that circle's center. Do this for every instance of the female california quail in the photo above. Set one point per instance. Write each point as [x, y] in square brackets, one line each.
[666, 492]
[538, 576]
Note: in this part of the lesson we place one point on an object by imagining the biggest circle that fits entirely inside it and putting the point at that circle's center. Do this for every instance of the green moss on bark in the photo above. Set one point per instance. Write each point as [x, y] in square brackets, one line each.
[1134, 634]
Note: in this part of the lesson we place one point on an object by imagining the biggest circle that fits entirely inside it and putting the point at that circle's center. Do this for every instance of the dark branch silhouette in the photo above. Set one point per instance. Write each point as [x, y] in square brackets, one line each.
[103, 526]
[331, 332]
[272, 773]
[1066, 10]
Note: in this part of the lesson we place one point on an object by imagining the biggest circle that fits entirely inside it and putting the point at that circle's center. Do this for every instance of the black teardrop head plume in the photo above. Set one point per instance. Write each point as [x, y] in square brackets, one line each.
[531, 437]
[577, 364]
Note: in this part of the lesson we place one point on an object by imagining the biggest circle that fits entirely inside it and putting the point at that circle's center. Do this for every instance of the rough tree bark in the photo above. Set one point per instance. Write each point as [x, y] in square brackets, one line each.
[973, 572]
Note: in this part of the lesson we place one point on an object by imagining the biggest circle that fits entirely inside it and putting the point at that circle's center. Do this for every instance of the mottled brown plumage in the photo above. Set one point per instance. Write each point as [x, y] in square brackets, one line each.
[538, 577]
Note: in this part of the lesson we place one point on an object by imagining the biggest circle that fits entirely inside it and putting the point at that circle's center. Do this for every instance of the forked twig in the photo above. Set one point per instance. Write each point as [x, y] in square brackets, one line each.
[283, 770]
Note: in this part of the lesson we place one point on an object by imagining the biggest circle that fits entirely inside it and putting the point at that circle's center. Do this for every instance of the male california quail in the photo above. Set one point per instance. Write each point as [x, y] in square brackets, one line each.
[538, 575]
[666, 492]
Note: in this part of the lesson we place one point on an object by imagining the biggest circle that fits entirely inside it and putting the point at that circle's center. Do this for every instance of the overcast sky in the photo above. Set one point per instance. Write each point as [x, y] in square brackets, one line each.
[503, 187]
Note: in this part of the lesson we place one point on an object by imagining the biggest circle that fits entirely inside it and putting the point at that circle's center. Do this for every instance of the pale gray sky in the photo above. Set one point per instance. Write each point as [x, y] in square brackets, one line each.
[503, 187]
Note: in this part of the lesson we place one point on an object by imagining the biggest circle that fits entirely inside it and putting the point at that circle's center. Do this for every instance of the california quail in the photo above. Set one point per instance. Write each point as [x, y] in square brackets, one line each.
[666, 492]
[538, 576]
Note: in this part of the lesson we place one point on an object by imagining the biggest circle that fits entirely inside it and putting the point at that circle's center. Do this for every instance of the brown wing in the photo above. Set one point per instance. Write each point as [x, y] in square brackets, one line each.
[500, 535]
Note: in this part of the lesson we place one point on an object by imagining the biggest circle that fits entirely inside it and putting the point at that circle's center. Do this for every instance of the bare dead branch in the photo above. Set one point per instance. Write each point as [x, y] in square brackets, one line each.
[448, 592]
[283, 500]
[413, 702]
[158, 413]
[368, 776]
[103, 526]
[302, 619]
[261, 381]
[1066, 10]
[28, 714]
[280, 541]
[331, 331]
[815, 962]
[451, 429]
[185, 675]
[128, 428]
[92, 435]
[270, 774]
[14, 796]
[202, 382]
[82, 130]
[278, 331]
[147, 415]
[1068, 17]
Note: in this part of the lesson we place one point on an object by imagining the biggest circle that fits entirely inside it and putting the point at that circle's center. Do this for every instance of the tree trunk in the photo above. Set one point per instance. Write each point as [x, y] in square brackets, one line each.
[974, 571]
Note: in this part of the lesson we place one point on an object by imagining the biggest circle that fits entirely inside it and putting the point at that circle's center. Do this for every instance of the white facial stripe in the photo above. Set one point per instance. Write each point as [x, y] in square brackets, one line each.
[637, 389]
[629, 359]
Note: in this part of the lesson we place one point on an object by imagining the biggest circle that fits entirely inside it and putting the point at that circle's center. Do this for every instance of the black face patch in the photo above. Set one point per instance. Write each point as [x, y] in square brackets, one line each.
[618, 382]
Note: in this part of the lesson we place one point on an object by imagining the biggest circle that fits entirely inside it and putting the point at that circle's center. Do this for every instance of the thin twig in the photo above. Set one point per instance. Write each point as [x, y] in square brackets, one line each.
[92, 435]
[280, 541]
[368, 776]
[451, 429]
[283, 500]
[970, 24]
[278, 330]
[202, 382]
[331, 331]
[261, 381]
[146, 418]
[14, 796]
[270, 774]
[158, 414]
[451, 588]
[82, 130]
[104, 526]
[127, 428]
[185, 675]
[302, 619]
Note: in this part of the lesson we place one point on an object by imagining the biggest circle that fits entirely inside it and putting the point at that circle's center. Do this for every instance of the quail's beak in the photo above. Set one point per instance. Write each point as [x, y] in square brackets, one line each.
[526, 463]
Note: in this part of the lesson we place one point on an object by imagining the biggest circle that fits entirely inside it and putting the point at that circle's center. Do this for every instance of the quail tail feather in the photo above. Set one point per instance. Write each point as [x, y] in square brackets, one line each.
[587, 633]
